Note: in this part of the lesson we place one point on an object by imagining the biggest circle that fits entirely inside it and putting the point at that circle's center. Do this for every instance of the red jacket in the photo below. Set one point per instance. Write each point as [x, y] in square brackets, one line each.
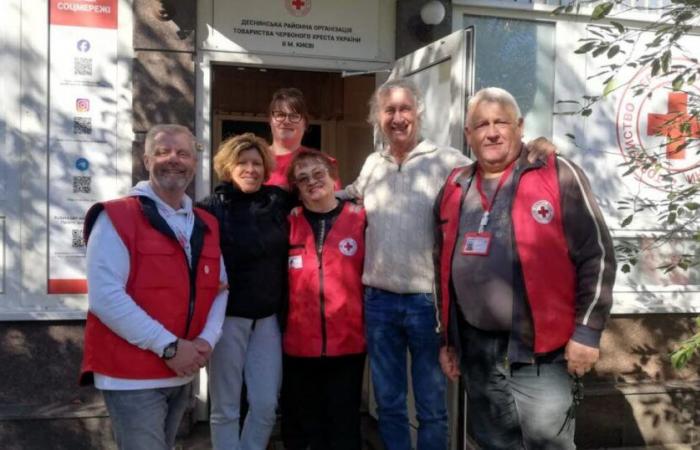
[325, 297]
[548, 272]
[160, 282]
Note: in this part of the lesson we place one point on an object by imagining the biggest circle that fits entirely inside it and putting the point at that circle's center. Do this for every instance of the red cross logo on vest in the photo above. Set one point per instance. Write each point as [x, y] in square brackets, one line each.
[677, 125]
[542, 211]
[348, 246]
[298, 8]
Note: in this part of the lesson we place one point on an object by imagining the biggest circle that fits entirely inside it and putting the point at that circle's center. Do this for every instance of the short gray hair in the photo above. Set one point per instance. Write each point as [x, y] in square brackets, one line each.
[168, 128]
[383, 90]
[493, 95]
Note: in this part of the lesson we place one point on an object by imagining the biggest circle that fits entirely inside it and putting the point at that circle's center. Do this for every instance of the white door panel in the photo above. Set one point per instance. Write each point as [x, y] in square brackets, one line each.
[443, 71]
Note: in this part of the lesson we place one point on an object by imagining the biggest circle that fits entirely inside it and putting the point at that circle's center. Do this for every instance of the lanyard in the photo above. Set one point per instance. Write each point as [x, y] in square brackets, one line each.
[485, 203]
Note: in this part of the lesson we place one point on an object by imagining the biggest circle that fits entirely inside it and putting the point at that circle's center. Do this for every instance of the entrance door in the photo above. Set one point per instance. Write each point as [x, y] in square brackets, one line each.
[444, 72]
[240, 96]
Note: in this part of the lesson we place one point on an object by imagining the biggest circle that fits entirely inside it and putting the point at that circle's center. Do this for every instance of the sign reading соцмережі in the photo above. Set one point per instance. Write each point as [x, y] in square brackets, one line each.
[301, 27]
[82, 130]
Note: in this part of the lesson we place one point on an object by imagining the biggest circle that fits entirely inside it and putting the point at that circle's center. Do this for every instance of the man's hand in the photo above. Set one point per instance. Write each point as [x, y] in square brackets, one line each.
[539, 148]
[187, 360]
[449, 363]
[203, 348]
[580, 357]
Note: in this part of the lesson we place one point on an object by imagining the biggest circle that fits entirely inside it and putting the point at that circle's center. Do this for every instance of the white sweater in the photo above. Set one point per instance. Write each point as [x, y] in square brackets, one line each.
[399, 203]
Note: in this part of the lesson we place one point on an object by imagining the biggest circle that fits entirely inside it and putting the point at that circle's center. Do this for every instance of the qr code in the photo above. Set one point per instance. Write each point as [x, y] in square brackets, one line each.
[82, 66]
[81, 184]
[78, 240]
[82, 125]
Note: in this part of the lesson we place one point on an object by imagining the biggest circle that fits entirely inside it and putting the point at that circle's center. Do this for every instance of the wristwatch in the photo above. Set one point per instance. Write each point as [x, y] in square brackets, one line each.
[170, 351]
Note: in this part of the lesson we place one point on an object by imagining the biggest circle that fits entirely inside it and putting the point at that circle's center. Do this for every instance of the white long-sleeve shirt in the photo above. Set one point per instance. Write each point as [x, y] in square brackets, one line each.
[107, 274]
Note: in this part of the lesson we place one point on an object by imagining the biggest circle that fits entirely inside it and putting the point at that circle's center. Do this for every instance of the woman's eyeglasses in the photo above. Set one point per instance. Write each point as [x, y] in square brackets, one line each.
[280, 116]
[316, 175]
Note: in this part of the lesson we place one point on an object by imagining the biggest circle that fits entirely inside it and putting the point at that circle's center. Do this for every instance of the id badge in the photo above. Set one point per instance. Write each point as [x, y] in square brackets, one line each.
[477, 243]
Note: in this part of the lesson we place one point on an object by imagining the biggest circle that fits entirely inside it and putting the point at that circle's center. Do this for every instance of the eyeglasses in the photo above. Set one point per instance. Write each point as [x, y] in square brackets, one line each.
[280, 116]
[316, 175]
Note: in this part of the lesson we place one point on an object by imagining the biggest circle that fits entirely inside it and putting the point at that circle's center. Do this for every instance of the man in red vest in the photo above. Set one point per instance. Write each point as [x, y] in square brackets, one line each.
[526, 268]
[155, 311]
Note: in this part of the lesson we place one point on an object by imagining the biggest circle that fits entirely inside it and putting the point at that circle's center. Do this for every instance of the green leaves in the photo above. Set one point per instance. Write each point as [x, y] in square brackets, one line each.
[687, 349]
[585, 48]
[602, 10]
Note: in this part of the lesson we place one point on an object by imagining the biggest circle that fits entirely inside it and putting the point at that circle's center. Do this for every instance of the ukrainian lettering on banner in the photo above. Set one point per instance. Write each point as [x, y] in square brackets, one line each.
[84, 13]
[83, 44]
[299, 27]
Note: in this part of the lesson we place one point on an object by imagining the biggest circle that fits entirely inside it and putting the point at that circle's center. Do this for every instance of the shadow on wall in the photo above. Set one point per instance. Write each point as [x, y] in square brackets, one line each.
[41, 405]
[635, 397]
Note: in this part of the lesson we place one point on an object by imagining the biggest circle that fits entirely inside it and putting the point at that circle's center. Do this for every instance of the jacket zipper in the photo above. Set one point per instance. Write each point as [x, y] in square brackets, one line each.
[190, 310]
[322, 299]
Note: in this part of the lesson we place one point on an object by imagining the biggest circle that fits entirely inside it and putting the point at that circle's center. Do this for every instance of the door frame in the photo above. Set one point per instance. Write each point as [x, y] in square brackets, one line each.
[204, 119]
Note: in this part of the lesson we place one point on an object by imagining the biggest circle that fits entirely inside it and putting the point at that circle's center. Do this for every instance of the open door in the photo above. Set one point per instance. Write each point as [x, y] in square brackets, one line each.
[444, 73]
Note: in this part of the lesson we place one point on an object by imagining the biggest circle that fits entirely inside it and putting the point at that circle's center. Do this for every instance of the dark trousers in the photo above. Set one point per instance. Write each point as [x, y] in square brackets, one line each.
[514, 406]
[321, 402]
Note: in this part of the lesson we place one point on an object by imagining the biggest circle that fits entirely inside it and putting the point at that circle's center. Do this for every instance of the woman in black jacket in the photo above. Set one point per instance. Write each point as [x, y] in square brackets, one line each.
[253, 227]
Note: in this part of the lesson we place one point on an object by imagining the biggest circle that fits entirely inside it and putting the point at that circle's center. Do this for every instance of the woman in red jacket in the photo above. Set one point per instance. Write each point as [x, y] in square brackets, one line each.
[323, 342]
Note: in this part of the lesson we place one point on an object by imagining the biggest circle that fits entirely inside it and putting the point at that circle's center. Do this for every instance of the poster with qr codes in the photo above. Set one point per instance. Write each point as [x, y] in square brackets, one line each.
[83, 44]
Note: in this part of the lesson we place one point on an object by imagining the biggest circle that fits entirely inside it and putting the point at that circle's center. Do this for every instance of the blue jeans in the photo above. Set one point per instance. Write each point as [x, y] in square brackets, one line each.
[147, 419]
[514, 406]
[251, 350]
[396, 323]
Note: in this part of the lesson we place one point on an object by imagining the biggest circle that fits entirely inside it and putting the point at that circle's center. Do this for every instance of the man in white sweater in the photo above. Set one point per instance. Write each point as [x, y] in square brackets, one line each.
[398, 186]
[154, 271]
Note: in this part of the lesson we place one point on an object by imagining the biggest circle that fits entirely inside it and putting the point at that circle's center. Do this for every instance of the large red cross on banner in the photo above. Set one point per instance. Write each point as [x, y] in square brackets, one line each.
[298, 4]
[543, 212]
[672, 125]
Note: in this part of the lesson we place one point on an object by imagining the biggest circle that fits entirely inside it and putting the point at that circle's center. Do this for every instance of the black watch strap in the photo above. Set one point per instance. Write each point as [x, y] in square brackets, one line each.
[170, 351]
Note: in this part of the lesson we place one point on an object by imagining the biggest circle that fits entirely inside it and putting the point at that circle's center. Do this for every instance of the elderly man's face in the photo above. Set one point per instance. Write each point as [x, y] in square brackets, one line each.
[173, 162]
[494, 135]
[398, 118]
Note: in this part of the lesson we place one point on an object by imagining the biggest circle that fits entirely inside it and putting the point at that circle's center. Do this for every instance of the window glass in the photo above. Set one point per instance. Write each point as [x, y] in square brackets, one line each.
[518, 56]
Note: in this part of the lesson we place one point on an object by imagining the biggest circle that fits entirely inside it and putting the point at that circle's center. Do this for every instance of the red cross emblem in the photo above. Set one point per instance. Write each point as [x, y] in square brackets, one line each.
[542, 211]
[348, 246]
[298, 8]
[677, 125]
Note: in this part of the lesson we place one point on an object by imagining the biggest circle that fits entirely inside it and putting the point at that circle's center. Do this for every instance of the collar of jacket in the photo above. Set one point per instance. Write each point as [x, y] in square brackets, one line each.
[150, 210]
[521, 165]
[422, 148]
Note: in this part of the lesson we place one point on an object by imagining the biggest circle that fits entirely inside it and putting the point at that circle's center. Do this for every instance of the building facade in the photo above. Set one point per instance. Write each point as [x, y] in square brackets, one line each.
[83, 80]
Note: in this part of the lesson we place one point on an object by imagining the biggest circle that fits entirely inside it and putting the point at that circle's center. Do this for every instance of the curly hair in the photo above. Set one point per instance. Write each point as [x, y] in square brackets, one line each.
[230, 150]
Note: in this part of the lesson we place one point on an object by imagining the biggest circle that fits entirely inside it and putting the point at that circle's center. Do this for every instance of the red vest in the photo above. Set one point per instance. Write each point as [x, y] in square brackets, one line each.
[325, 298]
[159, 283]
[540, 243]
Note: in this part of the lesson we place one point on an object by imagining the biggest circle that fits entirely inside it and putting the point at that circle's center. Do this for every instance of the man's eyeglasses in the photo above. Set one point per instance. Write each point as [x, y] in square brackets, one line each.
[316, 175]
[280, 116]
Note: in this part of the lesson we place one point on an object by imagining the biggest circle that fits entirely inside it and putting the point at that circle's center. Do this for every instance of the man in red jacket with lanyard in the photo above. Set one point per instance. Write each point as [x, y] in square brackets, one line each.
[526, 268]
[155, 311]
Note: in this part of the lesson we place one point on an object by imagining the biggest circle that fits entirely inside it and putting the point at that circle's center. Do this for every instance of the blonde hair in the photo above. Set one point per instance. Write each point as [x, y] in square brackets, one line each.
[229, 152]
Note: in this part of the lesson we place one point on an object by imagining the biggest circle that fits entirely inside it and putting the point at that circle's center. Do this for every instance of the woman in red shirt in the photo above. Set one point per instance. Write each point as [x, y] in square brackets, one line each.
[289, 118]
